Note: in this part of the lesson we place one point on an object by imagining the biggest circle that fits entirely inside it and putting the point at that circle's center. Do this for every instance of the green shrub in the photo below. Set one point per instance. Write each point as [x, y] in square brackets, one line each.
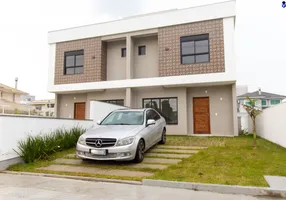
[244, 132]
[40, 147]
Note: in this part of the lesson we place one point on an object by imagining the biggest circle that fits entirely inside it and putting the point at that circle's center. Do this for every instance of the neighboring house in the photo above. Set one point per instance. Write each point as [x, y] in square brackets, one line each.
[181, 62]
[26, 99]
[263, 100]
[10, 101]
[44, 108]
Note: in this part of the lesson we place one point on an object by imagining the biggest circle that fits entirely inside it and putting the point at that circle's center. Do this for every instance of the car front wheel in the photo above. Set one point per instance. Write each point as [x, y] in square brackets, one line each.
[140, 152]
[163, 137]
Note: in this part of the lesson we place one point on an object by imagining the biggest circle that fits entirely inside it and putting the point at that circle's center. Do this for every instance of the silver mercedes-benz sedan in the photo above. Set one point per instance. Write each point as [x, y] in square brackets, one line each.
[124, 134]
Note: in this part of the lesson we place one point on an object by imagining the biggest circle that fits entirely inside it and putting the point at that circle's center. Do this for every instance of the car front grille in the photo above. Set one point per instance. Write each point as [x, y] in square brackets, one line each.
[109, 155]
[105, 142]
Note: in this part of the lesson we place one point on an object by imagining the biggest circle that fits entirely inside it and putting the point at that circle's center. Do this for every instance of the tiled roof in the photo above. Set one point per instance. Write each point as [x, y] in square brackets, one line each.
[7, 89]
[262, 95]
[44, 101]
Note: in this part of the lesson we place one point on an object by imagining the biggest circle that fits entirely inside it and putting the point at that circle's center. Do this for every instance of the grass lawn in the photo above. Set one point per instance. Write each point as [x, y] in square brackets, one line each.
[230, 161]
[33, 167]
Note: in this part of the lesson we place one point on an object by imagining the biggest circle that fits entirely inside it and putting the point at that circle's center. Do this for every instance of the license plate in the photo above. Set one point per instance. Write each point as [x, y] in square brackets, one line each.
[98, 152]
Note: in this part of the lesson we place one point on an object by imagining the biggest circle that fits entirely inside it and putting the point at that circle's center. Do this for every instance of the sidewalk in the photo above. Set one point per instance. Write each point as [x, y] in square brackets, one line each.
[25, 187]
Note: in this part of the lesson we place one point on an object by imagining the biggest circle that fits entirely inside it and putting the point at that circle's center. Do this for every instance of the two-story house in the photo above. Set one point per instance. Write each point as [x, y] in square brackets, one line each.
[10, 99]
[44, 107]
[180, 62]
[263, 100]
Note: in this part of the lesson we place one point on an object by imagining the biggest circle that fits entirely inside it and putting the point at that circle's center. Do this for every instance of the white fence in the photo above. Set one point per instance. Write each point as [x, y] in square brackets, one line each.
[15, 128]
[99, 110]
[271, 124]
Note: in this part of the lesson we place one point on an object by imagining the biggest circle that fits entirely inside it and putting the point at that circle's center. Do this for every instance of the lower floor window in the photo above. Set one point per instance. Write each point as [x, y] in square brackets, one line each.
[119, 102]
[263, 102]
[275, 101]
[167, 107]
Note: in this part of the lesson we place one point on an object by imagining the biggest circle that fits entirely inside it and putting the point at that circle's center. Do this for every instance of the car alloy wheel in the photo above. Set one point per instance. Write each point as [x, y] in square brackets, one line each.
[140, 152]
[164, 137]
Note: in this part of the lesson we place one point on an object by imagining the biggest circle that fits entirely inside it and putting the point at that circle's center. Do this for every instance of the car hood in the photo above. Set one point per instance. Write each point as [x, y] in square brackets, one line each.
[113, 131]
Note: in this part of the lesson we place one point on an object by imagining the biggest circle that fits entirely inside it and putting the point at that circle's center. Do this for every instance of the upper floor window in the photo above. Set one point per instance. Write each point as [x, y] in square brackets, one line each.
[74, 62]
[123, 52]
[195, 49]
[141, 50]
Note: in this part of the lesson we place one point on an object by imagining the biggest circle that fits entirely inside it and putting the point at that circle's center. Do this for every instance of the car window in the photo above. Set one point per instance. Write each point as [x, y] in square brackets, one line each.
[151, 114]
[124, 118]
[148, 115]
[156, 116]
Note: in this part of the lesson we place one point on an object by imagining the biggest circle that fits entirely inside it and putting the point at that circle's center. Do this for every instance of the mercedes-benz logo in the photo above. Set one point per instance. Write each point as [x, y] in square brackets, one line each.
[98, 142]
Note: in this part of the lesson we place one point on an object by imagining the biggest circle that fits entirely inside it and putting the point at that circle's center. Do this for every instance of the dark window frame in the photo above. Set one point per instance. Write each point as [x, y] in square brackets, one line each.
[123, 52]
[73, 53]
[163, 98]
[116, 100]
[194, 38]
[139, 50]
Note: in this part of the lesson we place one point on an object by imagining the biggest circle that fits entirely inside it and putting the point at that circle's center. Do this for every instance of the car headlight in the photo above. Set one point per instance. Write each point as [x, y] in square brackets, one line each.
[81, 140]
[125, 141]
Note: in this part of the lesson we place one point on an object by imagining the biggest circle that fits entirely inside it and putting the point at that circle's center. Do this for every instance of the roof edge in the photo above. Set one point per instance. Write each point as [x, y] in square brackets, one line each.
[141, 15]
[166, 18]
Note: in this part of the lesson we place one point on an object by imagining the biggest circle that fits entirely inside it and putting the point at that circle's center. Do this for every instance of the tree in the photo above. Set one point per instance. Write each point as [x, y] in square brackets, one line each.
[253, 112]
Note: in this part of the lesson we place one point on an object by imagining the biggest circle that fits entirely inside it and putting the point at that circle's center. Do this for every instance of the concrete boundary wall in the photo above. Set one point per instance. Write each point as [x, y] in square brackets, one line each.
[15, 128]
[271, 124]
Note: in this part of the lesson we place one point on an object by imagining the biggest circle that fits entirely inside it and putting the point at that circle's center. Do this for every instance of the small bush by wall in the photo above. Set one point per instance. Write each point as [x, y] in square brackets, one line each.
[42, 146]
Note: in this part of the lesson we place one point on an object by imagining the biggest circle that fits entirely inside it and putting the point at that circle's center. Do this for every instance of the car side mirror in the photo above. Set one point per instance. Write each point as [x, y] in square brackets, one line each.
[150, 122]
[98, 122]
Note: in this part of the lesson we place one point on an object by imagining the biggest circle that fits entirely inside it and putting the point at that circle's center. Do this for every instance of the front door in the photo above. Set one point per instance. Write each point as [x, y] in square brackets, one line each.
[201, 109]
[79, 110]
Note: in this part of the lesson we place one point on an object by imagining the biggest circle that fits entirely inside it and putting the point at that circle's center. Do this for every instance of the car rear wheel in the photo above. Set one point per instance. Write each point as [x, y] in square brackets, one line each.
[140, 152]
[163, 137]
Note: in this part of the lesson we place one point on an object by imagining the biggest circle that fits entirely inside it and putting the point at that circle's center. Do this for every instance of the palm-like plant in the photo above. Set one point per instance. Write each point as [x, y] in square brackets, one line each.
[253, 112]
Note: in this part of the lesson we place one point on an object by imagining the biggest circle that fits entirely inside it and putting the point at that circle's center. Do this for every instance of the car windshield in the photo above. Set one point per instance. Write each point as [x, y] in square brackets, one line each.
[124, 118]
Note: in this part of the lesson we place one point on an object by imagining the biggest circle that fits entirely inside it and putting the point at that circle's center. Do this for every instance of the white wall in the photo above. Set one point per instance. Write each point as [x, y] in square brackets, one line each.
[15, 128]
[99, 110]
[229, 54]
[244, 121]
[271, 124]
